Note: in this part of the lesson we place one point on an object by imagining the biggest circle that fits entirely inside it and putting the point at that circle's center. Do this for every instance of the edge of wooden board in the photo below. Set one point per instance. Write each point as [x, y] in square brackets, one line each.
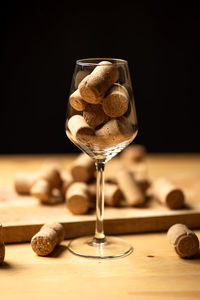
[136, 224]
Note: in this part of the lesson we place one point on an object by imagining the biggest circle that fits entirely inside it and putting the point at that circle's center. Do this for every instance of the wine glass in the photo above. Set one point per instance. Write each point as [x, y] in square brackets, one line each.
[101, 121]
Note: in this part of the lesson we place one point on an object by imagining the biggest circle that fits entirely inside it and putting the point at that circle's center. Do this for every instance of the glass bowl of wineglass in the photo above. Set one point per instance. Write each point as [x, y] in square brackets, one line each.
[101, 120]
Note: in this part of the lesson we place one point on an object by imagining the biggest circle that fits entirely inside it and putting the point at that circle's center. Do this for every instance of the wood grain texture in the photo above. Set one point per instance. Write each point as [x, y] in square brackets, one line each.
[23, 216]
[153, 271]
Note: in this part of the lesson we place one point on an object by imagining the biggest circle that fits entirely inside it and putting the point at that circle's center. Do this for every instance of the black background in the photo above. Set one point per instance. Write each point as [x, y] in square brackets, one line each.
[41, 40]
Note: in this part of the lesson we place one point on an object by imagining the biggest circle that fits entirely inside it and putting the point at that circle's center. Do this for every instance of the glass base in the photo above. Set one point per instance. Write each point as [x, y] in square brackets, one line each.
[113, 247]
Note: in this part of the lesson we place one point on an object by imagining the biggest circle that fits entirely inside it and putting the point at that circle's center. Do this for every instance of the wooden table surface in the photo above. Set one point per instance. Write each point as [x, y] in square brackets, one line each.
[152, 271]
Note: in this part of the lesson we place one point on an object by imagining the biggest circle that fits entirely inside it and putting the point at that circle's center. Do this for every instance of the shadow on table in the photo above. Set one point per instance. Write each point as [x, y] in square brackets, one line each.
[6, 266]
[194, 259]
[58, 251]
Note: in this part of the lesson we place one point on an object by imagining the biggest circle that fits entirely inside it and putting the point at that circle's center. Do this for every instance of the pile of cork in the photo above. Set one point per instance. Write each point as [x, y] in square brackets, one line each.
[127, 184]
[98, 108]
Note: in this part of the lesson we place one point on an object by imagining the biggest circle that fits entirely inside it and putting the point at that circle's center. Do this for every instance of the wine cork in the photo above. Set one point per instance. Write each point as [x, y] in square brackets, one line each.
[93, 87]
[51, 173]
[184, 241]
[79, 77]
[115, 104]
[41, 190]
[82, 168]
[140, 174]
[77, 102]
[133, 153]
[143, 182]
[138, 169]
[78, 198]
[56, 197]
[130, 189]
[49, 236]
[58, 228]
[67, 180]
[24, 181]
[94, 115]
[113, 132]
[2, 246]
[167, 193]
[112, 193]
[80, 130]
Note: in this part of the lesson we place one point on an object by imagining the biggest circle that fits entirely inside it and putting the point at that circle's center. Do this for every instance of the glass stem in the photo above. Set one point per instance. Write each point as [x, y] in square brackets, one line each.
[99, 237]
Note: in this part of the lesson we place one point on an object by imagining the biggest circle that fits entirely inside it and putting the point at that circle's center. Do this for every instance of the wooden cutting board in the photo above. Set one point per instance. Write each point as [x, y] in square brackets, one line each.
[22, 216]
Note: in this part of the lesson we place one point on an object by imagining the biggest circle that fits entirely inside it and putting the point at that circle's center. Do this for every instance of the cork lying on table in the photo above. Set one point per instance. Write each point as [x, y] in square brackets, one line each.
[78, 198]
[23, 181]
[67, 180]
[45, 185]
[50, 173]
[133, 153]
[143, 182]
[140, 173]
[94, 86]
[167, 193]
[58, 228]
[49, 236]
[137, 168]
[83, 168]
[184, 241]
[112, 193]
[2, 246]
[42, 190]
[131, 190]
